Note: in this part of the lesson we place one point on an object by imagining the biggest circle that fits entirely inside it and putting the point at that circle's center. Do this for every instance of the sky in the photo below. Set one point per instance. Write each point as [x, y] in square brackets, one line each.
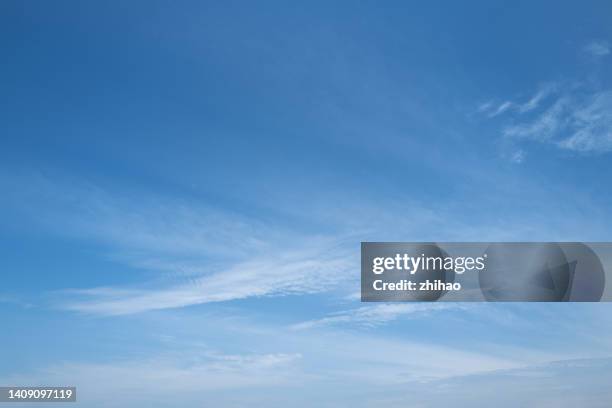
[185, 186]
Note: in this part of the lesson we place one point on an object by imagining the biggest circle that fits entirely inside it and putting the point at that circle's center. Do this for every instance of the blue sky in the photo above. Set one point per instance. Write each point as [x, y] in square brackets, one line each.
[185, 187]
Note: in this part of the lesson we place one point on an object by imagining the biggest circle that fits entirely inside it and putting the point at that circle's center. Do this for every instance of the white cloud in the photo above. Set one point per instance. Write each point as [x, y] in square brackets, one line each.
[14, 300]
[597, 48]
[334, 366]
[376, 314]
[200, 254]
[197, 376]
[535, 101]
[492, 109]
[306, 271]
[572, 123]
[574, 118]
[545, 127]
[321, 360]
[564, 383]
[518, 156]
[197, 254]
[591, 128]
[501, 109]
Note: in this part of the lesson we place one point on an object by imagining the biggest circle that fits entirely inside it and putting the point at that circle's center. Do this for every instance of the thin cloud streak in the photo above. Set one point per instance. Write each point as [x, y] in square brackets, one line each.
[378, 314]
[297, 273]
[491, 109]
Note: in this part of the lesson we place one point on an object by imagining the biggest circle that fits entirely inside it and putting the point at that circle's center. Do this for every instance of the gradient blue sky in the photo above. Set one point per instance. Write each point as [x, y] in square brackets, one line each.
[184, 187]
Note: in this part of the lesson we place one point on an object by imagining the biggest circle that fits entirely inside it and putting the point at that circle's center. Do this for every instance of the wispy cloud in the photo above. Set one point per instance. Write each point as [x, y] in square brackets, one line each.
[572, 122]
[200, 254]
[306, 271]
[546, 125]
[571, 115]
[535, 101]
[378, 368]
[503, 107]
[563, 383]
[374, 315]
[179, 377]
[196, 253]
[575, 119]
[303, 360]
[492, 109]
[597, 48]
[591, 127]
[518, 156]
[14, 300]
